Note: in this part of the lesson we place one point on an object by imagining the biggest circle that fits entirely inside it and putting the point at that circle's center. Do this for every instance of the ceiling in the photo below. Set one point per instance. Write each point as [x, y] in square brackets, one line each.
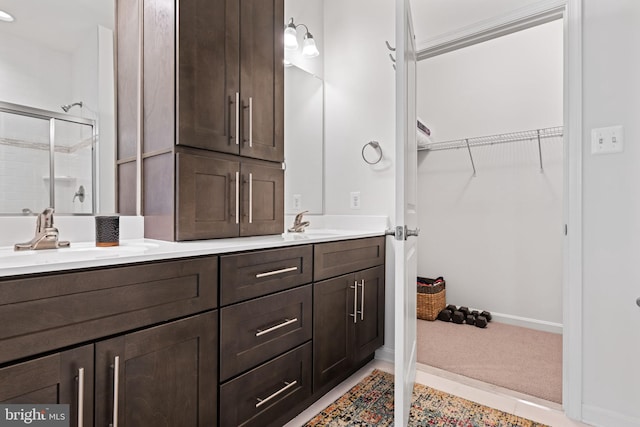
[59, 24]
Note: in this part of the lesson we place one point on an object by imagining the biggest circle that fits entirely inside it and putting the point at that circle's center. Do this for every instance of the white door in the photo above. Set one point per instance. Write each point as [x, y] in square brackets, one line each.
[406, 214]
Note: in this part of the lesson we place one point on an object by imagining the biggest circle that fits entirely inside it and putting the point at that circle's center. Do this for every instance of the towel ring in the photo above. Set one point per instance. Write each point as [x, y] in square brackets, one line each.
[376, 146]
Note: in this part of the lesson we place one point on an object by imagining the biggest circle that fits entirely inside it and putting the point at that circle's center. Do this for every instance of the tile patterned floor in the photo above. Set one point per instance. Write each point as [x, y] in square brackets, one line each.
[486, 394]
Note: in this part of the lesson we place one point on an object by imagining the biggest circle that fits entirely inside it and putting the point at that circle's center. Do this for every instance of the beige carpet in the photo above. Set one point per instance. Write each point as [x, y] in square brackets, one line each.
[520, 359]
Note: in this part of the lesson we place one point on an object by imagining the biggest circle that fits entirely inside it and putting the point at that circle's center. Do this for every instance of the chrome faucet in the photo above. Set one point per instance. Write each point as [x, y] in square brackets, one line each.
[46, 234]
[298, 225]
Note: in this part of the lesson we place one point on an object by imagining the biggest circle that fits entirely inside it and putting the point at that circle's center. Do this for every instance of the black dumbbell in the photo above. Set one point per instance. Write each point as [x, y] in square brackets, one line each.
[475, 313]
[465, 310]
[481, 322]
[452, 308]
[445, 315]
[471, 320]
[486, 315]
[458, 317]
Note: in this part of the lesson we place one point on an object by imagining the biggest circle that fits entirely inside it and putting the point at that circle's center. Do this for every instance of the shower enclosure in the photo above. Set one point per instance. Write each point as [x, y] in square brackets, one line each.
[47, 159]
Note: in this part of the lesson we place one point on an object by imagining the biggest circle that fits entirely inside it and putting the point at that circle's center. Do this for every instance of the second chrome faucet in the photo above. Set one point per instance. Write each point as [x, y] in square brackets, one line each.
[298, 225]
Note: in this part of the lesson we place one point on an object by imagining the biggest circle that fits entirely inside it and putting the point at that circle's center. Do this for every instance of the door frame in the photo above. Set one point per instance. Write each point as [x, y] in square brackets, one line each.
[570, 11]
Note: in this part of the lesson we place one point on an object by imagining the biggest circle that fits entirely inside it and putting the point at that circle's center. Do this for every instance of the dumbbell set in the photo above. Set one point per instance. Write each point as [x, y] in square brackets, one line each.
[461, 315]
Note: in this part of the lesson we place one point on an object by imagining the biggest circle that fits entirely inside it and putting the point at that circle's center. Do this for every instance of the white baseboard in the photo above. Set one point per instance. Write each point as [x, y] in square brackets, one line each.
[540, 325]
[386, 354]
[600, 417]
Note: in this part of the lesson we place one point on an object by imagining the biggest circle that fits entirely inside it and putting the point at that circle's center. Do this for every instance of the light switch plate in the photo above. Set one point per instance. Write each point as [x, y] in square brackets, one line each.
[607, 140]
[297, 201]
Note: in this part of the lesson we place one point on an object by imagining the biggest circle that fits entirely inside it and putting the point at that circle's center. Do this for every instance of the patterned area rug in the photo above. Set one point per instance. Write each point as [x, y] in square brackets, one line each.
[370, 403]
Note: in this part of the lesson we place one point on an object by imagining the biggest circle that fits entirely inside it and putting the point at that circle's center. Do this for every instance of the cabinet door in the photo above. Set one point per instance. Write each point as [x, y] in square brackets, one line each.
[208, 73]
[166, 376]
[263, 199]
[53, 379]
[370, 321]
[333, 329]
[208, 192]
[262, 78]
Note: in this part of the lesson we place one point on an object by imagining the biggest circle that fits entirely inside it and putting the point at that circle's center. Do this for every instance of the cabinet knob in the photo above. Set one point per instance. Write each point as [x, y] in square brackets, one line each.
[638, 301]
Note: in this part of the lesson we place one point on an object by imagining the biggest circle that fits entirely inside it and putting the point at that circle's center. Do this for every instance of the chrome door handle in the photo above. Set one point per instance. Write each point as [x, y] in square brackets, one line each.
[287, 322]
[411, 232]
[286, 387]
[81, 397]
[355, 302]
[274, 272]
[250, 198]
[116, 391]
[237, 197]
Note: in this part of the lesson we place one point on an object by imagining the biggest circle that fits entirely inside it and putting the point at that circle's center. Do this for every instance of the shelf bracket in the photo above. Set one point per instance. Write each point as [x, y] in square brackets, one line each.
[540, 152]
[473, 165]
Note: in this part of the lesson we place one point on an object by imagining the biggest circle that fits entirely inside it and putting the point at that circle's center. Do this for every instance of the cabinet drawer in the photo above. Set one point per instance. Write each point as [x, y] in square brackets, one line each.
[336, 258]
[253, 274]
[254, 331]
[43, 313]
[260, 396]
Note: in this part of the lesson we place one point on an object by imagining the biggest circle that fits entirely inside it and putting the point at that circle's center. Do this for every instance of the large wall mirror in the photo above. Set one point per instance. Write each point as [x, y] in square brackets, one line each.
[304, 141]
[57, 126]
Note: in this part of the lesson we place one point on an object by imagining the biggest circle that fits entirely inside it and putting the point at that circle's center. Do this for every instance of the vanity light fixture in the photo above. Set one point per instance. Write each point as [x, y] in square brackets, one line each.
[309, 48]
[6, 17]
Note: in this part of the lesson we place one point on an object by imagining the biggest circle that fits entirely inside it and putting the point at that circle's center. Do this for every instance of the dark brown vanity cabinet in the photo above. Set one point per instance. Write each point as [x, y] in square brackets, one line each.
[266, 326]
[226, 196]
[165, 375]
[212, 82]
[145, 336]
[60, 378]
[231, 77]
[348, 313]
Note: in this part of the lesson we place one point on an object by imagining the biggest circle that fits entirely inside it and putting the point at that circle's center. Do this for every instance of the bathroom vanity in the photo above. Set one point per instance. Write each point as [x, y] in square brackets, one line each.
[222, 332]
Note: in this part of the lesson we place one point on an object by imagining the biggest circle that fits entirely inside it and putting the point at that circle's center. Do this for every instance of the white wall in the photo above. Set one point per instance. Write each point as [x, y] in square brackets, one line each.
[359, 107]
[496, 237]
[611, 215]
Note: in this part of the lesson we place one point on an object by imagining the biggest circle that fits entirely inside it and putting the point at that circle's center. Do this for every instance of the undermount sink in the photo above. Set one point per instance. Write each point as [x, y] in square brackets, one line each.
[77, 252]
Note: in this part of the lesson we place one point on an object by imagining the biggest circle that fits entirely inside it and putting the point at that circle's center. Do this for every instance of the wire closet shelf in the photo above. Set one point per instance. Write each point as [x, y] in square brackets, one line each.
[529, 135]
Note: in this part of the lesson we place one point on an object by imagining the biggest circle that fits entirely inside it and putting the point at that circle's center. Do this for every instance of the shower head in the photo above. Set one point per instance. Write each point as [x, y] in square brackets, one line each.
[67, 107]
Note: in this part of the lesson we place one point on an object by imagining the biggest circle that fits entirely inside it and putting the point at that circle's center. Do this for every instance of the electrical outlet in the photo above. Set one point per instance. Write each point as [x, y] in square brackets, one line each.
[355, 200]
[297, 202]
[607, 140]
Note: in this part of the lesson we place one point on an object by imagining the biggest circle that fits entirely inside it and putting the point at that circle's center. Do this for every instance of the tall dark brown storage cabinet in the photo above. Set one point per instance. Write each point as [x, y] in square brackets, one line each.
[212, 92]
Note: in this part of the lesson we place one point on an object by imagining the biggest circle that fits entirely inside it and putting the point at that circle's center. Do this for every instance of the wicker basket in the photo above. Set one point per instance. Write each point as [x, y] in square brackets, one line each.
[431, 298]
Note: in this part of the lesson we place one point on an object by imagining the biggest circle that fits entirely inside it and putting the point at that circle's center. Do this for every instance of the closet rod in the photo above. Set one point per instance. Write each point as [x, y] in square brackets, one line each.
[529, 135]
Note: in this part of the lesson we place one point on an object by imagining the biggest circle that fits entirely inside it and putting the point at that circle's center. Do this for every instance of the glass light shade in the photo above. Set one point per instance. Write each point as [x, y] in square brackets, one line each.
[290, 37]
[309, 49]
[6, 17]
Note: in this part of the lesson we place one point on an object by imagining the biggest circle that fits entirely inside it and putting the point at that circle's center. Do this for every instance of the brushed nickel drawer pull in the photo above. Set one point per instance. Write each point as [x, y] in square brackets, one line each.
[355, 302]
[261, 332]
[116, 389]
[362, 301]
[237, 118]
[251, 122]
[250, 198]
[237, 197]
[274, 272]
[286, 387]
[81, 397]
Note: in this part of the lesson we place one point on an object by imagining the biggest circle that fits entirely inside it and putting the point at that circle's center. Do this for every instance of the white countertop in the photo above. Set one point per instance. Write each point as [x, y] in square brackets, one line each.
[87, 255]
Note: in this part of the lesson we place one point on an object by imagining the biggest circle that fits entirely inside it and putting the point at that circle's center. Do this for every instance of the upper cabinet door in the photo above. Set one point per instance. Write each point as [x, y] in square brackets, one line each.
[209, 110]
[262, 79]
